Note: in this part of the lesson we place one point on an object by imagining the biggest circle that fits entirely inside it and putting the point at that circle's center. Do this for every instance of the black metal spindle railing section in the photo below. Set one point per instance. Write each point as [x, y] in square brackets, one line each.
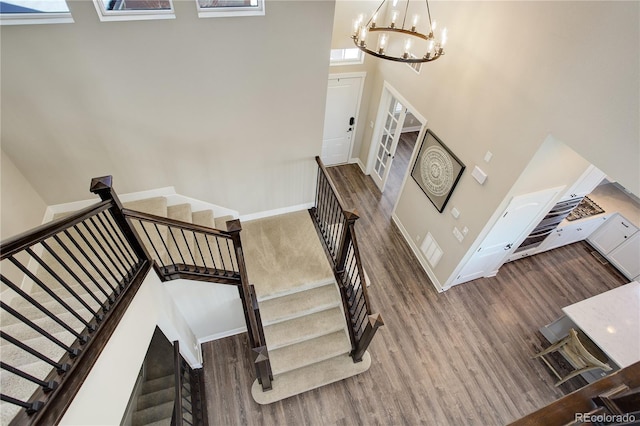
[189, 406]
[68, 283]
[336, 228]
[185, 250]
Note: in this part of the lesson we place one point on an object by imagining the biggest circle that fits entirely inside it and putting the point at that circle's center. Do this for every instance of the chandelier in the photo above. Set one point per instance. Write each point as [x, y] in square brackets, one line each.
[398, 41]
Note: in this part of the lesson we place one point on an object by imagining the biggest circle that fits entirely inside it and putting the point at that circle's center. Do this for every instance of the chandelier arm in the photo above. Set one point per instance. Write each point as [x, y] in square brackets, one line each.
[404, 19]
[429, 15]
[374, 13]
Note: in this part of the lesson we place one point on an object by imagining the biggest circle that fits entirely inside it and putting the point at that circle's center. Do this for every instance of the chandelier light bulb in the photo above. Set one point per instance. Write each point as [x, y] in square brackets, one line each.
[444, 37]
[373, 20]
[394, 18]
[395, 3]
[407, 47]
[414, 22]
[382, 43]
[363, 36]
[434, 24]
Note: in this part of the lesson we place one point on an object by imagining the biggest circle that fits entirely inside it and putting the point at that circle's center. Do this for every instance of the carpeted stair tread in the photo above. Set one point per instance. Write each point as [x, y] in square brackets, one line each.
[309, 352]
[160, 383]
[22, 331]
[299, 303]
[156, 206]
[181, 244]
[310, 377]
[283, 253]
[163, 422]
[152, 414]
[304, 328]
[221, 222]
[204, 218]
[158, 397]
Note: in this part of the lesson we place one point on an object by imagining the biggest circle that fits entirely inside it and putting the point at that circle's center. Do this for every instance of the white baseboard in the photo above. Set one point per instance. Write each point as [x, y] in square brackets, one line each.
[222, 335]
[359, 163]
[275, 212]
[416, 251]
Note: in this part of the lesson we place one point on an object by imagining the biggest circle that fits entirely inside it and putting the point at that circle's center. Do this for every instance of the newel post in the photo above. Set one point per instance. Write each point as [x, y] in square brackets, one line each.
[233, 228]
[374, 322]
[350, 218]
[103, 187]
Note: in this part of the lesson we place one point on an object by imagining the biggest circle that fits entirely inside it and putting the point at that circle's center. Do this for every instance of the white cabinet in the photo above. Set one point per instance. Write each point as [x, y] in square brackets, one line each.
[619, 241]
[585, 184]
[571, 233]
[613, 233]
[626, 257]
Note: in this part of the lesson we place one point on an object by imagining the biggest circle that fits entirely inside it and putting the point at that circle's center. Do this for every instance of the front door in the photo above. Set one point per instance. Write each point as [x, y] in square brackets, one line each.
[343, 95]
[387, 143]
[520, 216]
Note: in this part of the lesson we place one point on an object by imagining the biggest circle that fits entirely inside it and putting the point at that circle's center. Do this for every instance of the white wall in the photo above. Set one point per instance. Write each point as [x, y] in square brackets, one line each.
[212, 310]
[104, 395]
[513, 73]
[21, 206]
[226, 110]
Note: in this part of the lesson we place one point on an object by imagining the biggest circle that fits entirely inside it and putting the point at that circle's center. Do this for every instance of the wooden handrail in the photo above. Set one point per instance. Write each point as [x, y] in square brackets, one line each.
[13, 245]
[333, 187]
[159, 220]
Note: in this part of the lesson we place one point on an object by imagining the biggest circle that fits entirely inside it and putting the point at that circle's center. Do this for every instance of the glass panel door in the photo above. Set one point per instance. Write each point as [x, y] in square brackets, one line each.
[388, 141]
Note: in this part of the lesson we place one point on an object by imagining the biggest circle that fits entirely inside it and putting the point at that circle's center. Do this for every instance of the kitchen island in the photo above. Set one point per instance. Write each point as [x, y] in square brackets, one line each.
[610, 319]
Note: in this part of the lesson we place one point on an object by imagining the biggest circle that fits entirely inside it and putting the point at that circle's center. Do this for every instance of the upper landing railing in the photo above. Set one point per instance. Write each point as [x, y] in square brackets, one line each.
[72, 280]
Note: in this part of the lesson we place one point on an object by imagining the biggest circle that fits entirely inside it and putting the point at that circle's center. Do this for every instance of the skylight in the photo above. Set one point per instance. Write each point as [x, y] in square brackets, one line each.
[17, 12]
[131, 10]
[222, 8]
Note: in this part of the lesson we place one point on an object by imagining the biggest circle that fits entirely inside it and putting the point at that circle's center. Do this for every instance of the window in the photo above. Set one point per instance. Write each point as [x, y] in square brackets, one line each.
[221, 8]
[353, 56]
[132, 10]
[17, 12]
[415, 66]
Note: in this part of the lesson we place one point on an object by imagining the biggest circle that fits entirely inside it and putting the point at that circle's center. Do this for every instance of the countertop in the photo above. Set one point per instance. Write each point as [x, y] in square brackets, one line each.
[613, 200]
[612, 320]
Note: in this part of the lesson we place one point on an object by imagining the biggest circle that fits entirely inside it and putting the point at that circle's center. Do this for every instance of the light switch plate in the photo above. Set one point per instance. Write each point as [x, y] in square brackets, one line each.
[458, 234]
[455, 213]
[479, 175]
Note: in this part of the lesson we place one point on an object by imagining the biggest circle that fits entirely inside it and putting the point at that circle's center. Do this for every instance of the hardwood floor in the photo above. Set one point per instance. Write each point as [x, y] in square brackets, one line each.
[458, 357]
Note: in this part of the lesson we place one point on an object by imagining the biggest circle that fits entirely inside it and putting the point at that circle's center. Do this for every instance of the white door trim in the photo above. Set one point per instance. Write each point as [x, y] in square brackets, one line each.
[362, 75]
[389, 90]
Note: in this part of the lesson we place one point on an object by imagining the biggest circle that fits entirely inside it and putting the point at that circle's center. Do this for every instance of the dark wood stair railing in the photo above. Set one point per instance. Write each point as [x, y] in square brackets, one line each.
[336, 228]
[106, 251]
[89, 269]
[190, 407]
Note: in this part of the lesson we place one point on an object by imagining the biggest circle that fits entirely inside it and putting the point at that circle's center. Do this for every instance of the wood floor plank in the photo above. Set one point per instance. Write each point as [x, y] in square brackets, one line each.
[458, 357]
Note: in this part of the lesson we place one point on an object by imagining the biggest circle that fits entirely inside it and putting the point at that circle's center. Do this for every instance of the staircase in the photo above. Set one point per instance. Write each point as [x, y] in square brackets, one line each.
[305, 343]
[300, 306]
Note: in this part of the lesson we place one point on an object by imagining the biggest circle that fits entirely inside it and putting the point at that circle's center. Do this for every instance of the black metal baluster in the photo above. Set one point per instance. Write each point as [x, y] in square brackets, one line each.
[224, 267]
[61, 368]
[164, 244]
[46, 386]
[91, 262]
[104, 251]
[84, 269]
[234, 267]
[133, 259]
[28, 298]
[176, 245]
[61, 281]
[73, 274]
[213, 260]
[31, 407]
[51, 293]
[204, 263]
[152, 245]
[186, 243]
[128, 269]
[72, 352]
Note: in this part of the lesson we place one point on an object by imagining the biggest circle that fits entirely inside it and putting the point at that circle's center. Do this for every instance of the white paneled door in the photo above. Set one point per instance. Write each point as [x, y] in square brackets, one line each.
[343, 96]
[387, 143]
